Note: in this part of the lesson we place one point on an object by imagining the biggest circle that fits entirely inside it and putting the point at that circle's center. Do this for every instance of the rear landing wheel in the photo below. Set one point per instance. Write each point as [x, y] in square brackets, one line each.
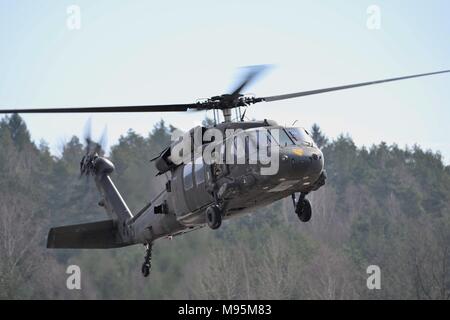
[214, 217]
[303, 210]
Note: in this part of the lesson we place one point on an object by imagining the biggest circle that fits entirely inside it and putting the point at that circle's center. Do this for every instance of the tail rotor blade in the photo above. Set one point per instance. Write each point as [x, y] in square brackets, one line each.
[88, 135]
[93, 149]
[102, 143]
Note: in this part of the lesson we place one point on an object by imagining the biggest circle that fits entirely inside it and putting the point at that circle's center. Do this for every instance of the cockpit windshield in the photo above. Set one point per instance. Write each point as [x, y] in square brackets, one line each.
[299, 136]
[281, 136]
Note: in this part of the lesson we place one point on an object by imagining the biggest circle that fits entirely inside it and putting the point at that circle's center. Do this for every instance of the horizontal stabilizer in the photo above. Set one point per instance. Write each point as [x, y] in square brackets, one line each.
[94, 235]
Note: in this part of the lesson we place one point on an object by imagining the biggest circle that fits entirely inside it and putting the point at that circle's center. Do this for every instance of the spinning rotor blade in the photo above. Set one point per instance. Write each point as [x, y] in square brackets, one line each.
[93, 147]
[112, 109]
[253, 73]
[87, 134]
[103, 142]
[362, 84]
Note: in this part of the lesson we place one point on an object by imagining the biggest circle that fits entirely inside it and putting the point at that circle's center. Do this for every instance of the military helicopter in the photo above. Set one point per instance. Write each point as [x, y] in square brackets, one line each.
[194, 192]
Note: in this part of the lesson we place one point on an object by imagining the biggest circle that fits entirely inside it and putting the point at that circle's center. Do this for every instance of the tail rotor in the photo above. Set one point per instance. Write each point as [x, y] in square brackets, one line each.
[93, 150]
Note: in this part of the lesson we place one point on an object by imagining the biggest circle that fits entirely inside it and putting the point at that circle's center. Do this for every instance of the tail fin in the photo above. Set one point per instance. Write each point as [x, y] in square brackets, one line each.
[94, 235]
[100, 234]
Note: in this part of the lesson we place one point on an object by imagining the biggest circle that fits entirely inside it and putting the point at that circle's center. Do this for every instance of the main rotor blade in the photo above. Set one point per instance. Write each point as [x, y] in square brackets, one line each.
[252, 74]
[362, 84]
[114, 109]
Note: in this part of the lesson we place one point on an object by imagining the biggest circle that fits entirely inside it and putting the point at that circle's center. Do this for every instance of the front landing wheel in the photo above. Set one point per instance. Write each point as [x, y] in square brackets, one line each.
[304, 210]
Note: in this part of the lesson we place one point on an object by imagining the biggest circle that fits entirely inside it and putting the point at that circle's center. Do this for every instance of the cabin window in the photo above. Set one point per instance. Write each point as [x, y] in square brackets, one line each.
[223, 155]
[199, 171]
[235, 149]
[228, 150]
[240, 149]
[187, 176]
[269, 143]
[251, 147]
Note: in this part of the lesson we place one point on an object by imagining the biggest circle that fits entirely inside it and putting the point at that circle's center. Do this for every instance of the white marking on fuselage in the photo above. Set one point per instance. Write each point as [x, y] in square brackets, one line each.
[284, 186]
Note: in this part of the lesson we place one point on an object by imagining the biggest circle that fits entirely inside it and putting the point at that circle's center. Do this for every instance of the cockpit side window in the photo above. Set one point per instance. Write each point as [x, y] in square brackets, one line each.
[300, 136]
[199, 171]
[187, 176]
[283, 139]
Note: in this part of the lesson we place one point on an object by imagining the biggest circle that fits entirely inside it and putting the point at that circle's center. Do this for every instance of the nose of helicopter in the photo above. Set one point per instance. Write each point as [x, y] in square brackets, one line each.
[301, 163]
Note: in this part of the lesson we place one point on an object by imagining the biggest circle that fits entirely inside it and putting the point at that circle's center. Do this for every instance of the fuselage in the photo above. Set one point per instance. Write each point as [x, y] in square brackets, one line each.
[293, 163]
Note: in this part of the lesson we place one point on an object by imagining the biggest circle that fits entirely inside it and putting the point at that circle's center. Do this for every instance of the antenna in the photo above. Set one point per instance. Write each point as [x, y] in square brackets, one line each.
[243, 115]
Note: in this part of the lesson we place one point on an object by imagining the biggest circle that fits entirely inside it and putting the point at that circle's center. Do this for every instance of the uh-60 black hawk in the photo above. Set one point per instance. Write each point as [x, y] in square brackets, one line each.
[194, 192]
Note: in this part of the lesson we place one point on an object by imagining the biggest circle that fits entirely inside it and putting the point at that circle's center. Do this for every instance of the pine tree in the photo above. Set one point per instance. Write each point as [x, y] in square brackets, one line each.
[319, 138]
[19, 131]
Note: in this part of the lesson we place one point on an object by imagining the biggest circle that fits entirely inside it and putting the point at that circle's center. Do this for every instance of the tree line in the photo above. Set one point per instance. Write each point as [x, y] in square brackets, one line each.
[384, 205]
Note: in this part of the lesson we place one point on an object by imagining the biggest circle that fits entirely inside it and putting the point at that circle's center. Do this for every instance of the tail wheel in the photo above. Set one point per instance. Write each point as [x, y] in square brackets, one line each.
[304, 210]
[145, 270]
[214, 217]
[147, 260]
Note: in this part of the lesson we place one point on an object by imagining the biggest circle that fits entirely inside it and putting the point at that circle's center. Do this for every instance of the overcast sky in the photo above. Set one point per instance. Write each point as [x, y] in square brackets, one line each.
[153, 52]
